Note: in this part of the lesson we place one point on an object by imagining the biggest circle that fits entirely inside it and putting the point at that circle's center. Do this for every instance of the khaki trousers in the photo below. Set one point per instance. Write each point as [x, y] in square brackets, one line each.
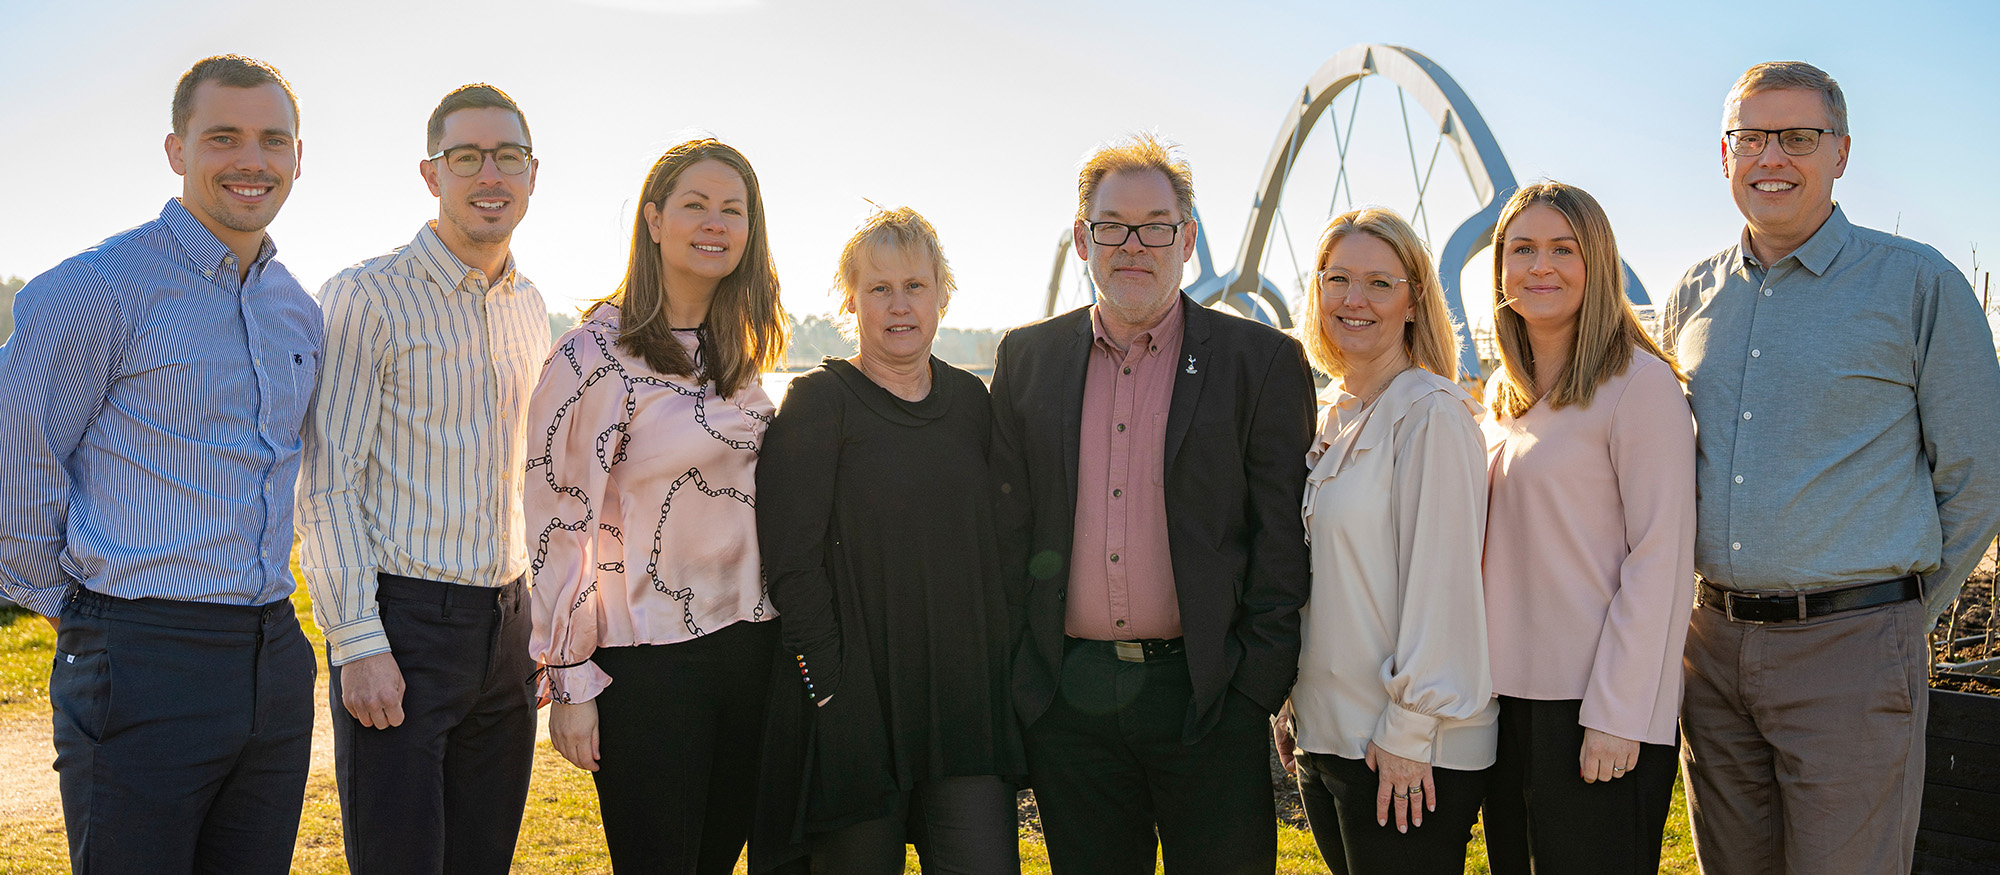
[1803, 742]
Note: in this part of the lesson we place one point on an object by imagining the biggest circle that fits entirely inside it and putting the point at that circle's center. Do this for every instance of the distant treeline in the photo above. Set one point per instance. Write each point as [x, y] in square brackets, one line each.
[813, 337]
[816, 337]
[8, 287]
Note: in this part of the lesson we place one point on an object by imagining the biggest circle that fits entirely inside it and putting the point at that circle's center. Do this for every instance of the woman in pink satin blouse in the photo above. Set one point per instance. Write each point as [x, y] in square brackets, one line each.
[1589, 563]
[650, 615]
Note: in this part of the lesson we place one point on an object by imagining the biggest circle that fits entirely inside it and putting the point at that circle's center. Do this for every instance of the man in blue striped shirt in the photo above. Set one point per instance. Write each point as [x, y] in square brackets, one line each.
[155, 387]
[410, 512]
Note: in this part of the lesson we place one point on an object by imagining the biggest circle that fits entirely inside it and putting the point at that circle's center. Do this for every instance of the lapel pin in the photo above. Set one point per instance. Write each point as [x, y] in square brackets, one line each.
[1190, 367]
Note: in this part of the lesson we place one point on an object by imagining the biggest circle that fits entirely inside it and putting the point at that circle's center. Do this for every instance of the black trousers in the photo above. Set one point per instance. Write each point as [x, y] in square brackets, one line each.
[1539, 807]
[961, 826]
[1108, 768]
[183, 732]
[680, 732]
[444, 791]
[1339, 797]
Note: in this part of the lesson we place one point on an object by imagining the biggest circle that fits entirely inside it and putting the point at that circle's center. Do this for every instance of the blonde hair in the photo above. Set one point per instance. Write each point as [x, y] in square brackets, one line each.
[1607, 329]
[886, 228]
[1141, 152]
[1781, 75]
[1430, 338]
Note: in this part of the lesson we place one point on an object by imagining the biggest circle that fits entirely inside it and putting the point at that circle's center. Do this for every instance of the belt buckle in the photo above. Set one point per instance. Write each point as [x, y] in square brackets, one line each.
[1729, 608]
[1129, 651]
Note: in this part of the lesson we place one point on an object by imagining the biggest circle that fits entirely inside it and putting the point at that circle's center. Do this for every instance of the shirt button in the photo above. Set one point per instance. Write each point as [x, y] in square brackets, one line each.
[1767, 293]
[1121, 624]
[1746, 414]
[1117, 493]
[1114, 557]
[1128, 371]
[1756, 352]
[1121, 426]
[1736, 545]
[1739, 478]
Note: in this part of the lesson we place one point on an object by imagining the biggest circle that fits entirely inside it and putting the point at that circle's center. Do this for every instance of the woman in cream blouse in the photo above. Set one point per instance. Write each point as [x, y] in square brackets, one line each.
[650, 616]
[1393, 711]
[1589, 549]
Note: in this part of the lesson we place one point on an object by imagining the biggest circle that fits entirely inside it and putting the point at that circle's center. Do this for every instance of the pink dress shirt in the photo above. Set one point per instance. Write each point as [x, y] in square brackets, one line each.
[642, 521]
[1121, 578]
[1590, 551]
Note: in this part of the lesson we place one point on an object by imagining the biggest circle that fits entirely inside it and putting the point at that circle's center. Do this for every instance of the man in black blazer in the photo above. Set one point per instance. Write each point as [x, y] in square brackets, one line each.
[1150, 457]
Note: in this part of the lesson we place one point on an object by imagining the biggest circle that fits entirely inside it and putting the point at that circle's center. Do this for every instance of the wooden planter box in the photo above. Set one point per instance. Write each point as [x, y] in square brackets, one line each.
[1960, 830]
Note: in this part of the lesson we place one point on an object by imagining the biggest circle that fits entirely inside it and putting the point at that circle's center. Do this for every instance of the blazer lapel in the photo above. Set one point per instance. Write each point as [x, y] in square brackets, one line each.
[1194, 366]
[1076, 361]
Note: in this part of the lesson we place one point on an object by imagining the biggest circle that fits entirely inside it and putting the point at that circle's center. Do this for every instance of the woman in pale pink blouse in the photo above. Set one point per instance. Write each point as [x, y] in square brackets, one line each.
[1589, 549]
[650, 615]
[1393, 711]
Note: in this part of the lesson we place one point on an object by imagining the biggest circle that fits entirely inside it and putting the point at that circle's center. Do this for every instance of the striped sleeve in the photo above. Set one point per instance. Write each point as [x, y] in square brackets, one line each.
[69, 333]
[335, 553]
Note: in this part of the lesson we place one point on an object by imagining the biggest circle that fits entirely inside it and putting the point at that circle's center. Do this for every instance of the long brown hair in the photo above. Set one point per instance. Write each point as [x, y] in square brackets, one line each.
[1429, 339]
[1606, 327]
[746, 329]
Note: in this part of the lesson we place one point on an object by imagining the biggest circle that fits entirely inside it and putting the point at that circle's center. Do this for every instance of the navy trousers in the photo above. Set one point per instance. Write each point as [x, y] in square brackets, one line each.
[444, 791]
[183, 732]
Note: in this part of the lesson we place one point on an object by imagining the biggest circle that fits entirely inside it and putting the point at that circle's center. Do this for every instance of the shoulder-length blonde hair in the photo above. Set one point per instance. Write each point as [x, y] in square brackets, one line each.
[746, 329]
[1430, 338]
[1607, 329]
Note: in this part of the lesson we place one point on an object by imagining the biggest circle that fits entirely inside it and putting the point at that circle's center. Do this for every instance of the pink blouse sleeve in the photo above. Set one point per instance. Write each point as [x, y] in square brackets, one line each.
[1635, 682]
[576, 430]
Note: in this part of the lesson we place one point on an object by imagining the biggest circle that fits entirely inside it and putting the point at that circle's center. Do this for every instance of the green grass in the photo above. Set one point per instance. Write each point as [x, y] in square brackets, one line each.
[562, 831]
[27, 647]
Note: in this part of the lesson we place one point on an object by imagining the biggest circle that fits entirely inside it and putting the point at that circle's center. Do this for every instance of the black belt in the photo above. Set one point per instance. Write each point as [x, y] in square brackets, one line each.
[1779, 607]
[1137, 650]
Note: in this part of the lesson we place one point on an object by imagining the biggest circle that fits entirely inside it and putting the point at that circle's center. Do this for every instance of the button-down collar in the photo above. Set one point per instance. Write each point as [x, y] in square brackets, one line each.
[208, 253]
[1815, 255]
[1163, 336]
[450, 273]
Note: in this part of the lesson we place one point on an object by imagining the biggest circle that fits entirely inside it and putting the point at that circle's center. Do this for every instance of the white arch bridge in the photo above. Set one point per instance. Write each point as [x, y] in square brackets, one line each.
[1458, 124]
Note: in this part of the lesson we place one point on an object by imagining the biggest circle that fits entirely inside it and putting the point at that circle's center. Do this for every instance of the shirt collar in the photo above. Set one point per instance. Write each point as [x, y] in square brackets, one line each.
[1161, 336]
[201, 244]
[444, 267]
[1819, 250]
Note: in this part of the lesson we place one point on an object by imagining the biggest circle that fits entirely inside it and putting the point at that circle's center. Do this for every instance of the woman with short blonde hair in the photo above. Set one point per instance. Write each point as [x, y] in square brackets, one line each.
[879, 539]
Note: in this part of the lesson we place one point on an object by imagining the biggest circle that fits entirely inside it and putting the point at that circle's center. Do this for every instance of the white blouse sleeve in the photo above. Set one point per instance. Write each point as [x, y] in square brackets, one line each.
[1439, 670]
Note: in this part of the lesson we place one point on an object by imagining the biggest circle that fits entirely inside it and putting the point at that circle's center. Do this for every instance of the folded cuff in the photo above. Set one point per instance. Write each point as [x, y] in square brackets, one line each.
[1406, 733]
[351, 641]
[572, 685]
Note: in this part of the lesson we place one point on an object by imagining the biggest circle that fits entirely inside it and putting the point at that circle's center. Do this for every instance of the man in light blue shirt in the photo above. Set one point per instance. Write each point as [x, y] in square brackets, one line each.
[156, 384]
[1848, 473]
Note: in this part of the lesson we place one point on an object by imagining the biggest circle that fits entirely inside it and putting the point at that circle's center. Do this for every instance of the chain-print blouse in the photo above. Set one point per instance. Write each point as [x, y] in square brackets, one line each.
[641, 506]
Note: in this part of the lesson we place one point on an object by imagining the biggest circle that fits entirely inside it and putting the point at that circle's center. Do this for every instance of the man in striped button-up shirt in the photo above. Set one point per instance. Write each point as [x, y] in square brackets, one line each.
[150, 422]
[410, 511]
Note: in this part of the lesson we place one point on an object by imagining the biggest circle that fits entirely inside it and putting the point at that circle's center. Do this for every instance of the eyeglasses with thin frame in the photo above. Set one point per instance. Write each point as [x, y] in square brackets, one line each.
[1751, 142]
[465, 161]
[1152, 235]
[1376, 287]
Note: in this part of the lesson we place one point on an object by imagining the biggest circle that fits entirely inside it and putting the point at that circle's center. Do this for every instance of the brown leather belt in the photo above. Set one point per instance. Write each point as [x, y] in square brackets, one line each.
[1781, 607]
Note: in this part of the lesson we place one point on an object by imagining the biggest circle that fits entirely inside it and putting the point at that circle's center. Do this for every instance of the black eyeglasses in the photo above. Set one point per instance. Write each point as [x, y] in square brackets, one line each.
[1152, 234]
[465, 161]
[1751, 142]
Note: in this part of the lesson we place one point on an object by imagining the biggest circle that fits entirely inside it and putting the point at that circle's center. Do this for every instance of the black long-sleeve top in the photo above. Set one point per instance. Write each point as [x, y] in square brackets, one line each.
[875, 520]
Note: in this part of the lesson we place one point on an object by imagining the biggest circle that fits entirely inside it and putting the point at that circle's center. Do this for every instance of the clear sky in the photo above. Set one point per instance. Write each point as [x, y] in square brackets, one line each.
[976, 114]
